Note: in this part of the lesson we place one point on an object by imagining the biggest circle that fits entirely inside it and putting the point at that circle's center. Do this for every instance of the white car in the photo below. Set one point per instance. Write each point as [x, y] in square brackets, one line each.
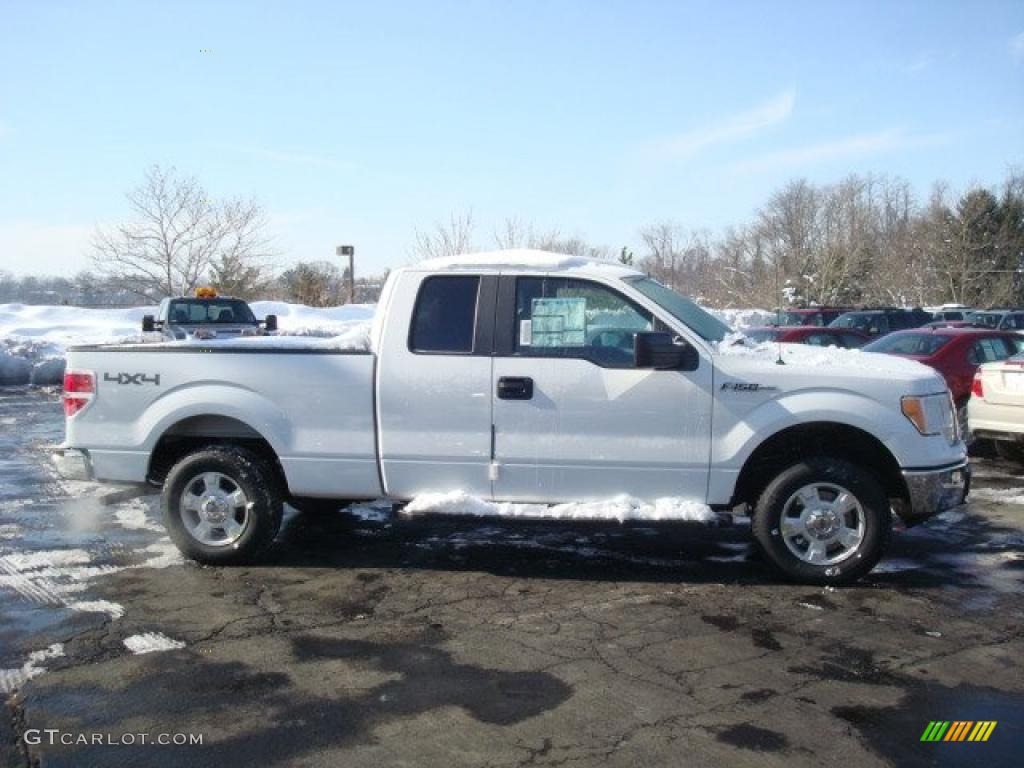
[524, 377]
[996, 409]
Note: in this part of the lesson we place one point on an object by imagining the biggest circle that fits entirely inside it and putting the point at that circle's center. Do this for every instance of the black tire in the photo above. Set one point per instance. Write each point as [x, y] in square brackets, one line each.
[317, 507]
[868, 493]
[253, 476]
[1009, 451]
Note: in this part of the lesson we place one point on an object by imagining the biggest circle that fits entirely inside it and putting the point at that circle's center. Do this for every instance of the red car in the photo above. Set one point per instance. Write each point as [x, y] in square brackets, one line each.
[956, 353]
[816, 336]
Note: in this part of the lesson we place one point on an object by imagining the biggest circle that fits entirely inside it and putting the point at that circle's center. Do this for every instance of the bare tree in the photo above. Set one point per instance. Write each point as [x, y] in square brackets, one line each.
[177, 234]
[513, 233]
[446, 239]
[314, 283]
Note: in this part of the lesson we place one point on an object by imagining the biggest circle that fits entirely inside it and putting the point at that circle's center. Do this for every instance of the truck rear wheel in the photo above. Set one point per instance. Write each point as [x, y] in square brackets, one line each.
[221, 505]
[823, 521]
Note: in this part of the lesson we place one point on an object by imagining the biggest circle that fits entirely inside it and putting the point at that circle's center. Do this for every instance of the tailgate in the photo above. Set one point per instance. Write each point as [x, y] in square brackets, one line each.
[1004, 384]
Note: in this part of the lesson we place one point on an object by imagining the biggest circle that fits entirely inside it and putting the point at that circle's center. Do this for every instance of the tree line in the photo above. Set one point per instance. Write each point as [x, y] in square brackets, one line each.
[866, 240]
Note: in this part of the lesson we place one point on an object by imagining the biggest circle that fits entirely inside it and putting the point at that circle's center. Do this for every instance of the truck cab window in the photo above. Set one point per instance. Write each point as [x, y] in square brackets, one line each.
[576, 318]
[445, 315]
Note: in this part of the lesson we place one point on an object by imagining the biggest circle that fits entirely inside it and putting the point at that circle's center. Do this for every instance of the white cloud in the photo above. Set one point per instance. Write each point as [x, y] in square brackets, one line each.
[1017, 47]
[731, 128]
[857, 145]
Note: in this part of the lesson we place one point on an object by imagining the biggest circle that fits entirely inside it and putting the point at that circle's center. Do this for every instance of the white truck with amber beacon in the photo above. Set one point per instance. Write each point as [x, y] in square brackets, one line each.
[523, 376]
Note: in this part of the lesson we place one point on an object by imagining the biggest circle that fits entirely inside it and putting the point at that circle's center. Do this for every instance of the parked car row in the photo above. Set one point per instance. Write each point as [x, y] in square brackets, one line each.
[956, 349]
[812, 335]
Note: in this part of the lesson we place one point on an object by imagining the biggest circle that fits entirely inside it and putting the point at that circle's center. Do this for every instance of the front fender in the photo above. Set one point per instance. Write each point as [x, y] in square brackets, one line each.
[742, 433]
[751, 428]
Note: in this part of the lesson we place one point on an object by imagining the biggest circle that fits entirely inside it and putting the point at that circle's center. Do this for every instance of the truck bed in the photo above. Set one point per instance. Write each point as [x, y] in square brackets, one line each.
[313, 406]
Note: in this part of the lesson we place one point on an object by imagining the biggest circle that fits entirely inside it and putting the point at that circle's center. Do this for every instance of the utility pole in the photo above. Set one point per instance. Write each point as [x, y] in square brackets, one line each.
[350, 251]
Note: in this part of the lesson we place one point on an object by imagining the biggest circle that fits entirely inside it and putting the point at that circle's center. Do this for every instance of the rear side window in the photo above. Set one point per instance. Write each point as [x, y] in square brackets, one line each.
[444, 318]
[990, 350]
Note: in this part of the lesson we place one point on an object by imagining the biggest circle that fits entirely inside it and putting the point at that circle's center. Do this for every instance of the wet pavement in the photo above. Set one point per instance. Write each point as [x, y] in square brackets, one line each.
[369, 639]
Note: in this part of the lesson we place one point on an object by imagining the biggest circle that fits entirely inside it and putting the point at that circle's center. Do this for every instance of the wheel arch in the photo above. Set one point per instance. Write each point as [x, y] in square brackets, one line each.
[817, 439]
[192, 433]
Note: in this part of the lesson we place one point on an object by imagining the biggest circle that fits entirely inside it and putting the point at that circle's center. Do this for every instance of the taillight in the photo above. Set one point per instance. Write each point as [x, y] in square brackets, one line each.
[977, 388]
[79, 390]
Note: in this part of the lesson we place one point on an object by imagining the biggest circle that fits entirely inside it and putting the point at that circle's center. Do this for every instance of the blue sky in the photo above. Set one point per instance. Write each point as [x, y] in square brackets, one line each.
[361, 122]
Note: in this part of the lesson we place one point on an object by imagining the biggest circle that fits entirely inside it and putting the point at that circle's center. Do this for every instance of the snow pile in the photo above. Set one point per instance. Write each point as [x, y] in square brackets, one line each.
[150, 642]
[12, 679]
[300, 320]
[522, 258]
[1003, 495]
[33, 339]
[115, 610]
[620, 508]
[62, 327]
[356, 337]
[132, 515]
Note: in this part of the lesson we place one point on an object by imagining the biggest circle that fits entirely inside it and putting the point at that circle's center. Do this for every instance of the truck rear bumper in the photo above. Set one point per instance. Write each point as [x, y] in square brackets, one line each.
[932, 491]
[72, 463]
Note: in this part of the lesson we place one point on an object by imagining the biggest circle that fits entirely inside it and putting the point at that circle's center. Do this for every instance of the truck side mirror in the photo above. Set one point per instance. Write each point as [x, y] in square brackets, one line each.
[661, 352]
[148, 324]
[270, 323]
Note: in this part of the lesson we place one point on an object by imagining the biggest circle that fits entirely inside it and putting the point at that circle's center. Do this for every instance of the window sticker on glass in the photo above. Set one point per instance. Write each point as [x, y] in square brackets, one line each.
[525, 333]
[558, 322]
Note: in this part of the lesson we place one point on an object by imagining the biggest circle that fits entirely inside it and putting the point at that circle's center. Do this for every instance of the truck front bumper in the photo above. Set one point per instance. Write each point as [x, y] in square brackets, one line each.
[72, 463]
[932, 491]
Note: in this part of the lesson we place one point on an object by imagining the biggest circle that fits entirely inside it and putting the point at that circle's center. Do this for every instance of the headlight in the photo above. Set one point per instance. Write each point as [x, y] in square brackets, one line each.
[931, 414]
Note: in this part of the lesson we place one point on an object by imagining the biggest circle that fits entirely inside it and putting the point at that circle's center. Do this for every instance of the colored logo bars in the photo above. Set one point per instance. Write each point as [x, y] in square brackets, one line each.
[958, 730]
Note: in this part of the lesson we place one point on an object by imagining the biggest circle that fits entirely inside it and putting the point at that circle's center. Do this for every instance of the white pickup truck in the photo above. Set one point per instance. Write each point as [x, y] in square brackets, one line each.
[524, 377]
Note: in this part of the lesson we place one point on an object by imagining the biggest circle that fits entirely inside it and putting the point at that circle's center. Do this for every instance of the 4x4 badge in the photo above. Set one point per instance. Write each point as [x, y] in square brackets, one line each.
[133, 378]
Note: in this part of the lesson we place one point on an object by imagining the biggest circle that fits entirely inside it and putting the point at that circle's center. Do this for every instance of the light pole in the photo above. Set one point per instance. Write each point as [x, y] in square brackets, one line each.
[350, 251]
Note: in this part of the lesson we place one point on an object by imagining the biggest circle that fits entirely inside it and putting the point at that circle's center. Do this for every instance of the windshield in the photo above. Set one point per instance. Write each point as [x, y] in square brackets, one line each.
[698, 320]
[851, 320]
[991, 319]
[189, 311]
[921, 344]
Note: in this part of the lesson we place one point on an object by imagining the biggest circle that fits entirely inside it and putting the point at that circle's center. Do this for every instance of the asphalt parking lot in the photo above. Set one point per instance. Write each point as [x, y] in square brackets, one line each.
[370, 639]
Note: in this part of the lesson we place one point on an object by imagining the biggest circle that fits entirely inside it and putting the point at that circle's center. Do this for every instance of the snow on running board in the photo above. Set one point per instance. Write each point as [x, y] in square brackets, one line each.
[619, 508]
[150, 642]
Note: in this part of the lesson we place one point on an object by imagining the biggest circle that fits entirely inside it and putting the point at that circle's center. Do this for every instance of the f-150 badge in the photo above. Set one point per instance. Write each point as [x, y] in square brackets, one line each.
[746, 386]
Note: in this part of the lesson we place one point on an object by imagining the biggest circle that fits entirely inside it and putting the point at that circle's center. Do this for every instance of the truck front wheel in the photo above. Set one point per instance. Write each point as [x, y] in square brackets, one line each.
[221, 505]
[823, 521]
